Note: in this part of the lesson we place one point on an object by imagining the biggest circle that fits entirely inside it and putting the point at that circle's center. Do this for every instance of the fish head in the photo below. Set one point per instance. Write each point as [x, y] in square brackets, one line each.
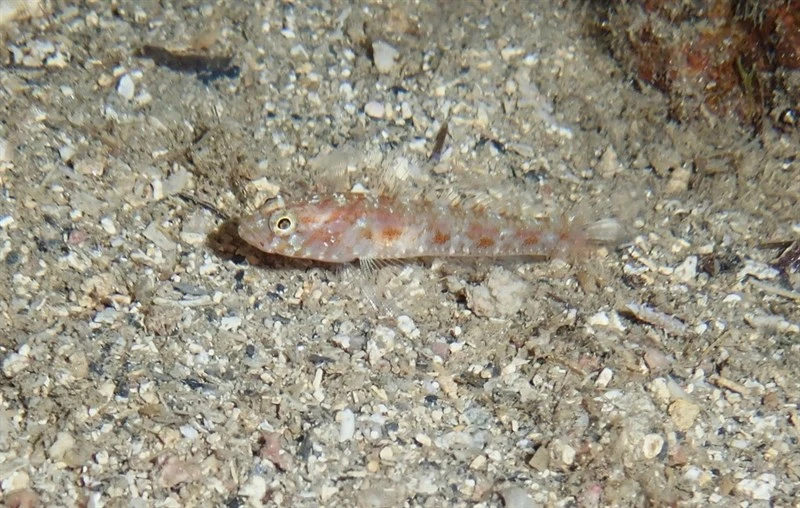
[309, 229]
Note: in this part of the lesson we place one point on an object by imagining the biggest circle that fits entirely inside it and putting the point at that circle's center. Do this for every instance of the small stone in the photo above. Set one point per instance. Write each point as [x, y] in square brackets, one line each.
[663, 160]
[15, 481]
[154, 234]
[599, 319]
[386, 453]
[20, 9]
[686, 271]
[177, 182]
[15, 363]
[66, 152]
[604, 378]
[230, 323]
[374, 109]
[25, 498]
[683, 413]
[108, 225]
[678, 181]
[101, 457]
[522, 149]
[175, 471]
[342, 340]
[384, 337]
[502, 294]
[540, 460]
[652, 444]
[515, 497]
[196, 228]
[656, 360]
[760, 488]
[143, 99]
[158, 189]
[139, 15]
[105, 80]
[347, 425]
[423, 440]
[189, 432]
[478, 462]
[384, 56]
[5, 150]
[58, 60]
[406, 325]
[125, 88]
[92, 166]
[63, 443]
[327, 492]
[568, 454]
[269, 188]
[510, 52]
[255, 489]
[609, 165]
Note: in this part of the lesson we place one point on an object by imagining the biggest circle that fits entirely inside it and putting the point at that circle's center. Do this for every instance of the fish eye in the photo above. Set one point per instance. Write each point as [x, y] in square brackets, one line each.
[283, 223]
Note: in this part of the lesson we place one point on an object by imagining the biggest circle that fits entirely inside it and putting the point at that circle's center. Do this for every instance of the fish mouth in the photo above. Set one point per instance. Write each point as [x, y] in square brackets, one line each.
[249, 227]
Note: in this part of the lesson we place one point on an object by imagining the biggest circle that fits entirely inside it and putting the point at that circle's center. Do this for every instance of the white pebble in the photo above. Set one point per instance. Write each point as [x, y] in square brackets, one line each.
[374, 109]
[678, 180]
[423, 440]
[125, 88]
[5, 150]
[347, 425]
[384, 337]
[14, 364]
[568, 454]
[515, 497]
[17, 480]
[5, 221]
[386, 453]
[760, 488]
[652, 445]
[604, 378]
[101, 457]
[255, 489]
[406, 325]
[19, 9]
[732, 298]
[686, 271]
[189, 432]
[63, 443]
[385, 56]
[342, 340]
[230, 323]
[599, 319]
[177, 182]
[139, 16]
[609, 165]
[328, 491]
[693, 474]
[108, 225]
[510, 52]
[66, 152]
[158, 189]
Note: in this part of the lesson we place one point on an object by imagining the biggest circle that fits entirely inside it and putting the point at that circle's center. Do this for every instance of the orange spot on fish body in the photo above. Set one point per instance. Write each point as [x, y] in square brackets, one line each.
[485, 242]
[391, 234]
[440, 237]
[482, 235]
[531, 239]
